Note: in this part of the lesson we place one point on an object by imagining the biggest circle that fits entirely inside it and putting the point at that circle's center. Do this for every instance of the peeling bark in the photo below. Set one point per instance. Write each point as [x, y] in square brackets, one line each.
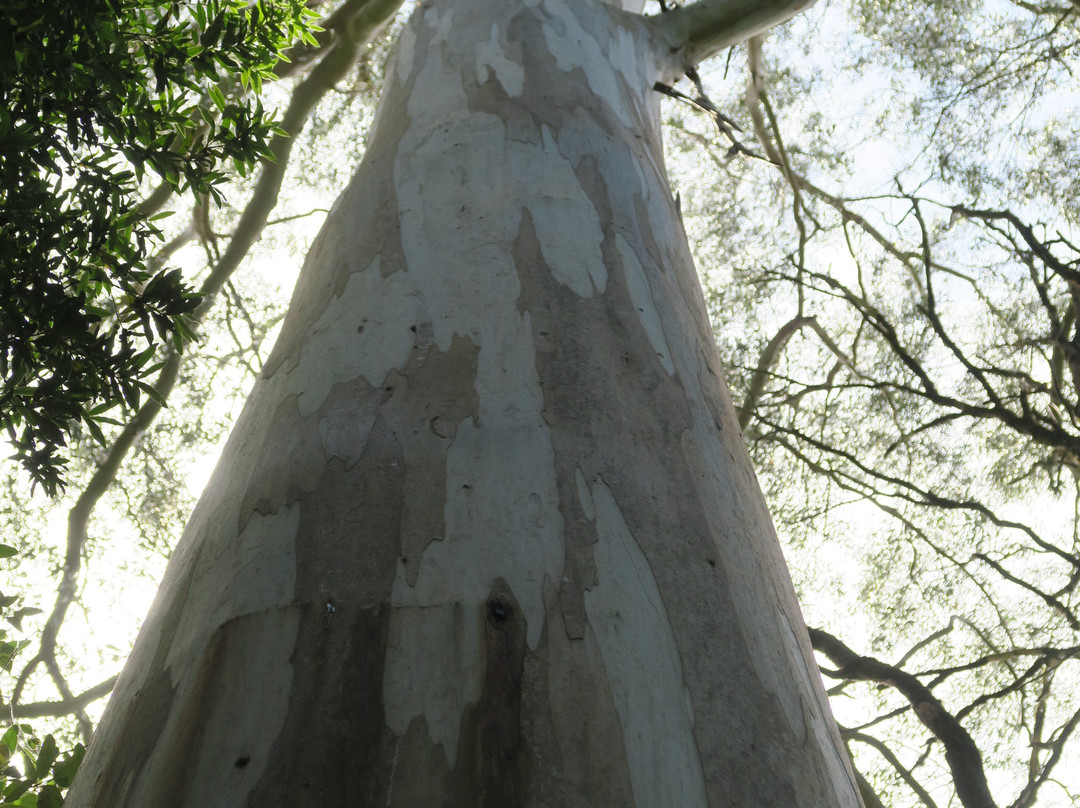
[486, 533]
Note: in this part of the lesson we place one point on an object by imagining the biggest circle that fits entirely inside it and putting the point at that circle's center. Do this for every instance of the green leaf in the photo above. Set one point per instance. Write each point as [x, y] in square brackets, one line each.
[104, 406]
[8, 651]
[46, 757]
[217, 96]
[15, 790]
[213, 31]
[50, 797]
[7, 551]
[144, 68]
[65, 768]
[95, 431]
[9, 743]
[17, 618]
[29, 772]
[154, 394]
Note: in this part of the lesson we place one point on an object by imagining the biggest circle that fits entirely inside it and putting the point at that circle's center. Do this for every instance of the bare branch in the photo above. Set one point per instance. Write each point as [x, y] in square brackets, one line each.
[43, 709]
[771, 354]
[1056, 747]
[885, 752]
[964, 758]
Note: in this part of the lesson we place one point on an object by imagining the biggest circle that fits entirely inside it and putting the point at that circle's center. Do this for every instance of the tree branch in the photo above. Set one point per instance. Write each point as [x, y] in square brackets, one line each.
[963, 757]
[697, 31]
[892, 760]
[1056, 747]
[771, 354]
[41, 709]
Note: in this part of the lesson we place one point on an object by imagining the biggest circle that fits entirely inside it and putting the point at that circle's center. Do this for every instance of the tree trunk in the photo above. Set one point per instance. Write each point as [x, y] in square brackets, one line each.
[486, 533]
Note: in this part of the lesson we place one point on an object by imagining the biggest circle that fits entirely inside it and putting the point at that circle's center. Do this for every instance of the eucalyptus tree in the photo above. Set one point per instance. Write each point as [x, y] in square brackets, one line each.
[486, 532]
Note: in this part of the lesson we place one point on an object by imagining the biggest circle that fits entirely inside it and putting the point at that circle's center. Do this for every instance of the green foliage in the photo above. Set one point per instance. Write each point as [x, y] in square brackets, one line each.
[95, 98]
[42, 774]
[33, 772]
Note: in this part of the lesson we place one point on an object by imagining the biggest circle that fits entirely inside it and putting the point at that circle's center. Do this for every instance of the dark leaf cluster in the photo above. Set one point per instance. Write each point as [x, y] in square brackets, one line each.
[96, 97]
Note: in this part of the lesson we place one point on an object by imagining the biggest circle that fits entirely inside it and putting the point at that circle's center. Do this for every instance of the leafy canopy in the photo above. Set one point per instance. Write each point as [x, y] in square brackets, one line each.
[96, 97]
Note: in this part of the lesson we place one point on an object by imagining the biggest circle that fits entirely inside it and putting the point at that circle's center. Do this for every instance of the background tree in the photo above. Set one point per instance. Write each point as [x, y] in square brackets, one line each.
[916, 364]
[960, 102]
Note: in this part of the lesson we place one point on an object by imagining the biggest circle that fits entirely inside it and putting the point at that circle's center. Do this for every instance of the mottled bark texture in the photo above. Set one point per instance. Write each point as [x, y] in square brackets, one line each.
[486, 533]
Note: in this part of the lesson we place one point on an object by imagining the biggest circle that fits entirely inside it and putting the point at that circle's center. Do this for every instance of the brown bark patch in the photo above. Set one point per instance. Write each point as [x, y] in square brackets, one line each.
[574, 736]
[624, 421]
[491, 771]
[290, 457]
[350, 521]
[335, 749]
[550, 96]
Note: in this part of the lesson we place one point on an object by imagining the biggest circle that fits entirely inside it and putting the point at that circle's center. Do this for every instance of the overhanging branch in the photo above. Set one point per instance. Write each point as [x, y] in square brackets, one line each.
[697, 31]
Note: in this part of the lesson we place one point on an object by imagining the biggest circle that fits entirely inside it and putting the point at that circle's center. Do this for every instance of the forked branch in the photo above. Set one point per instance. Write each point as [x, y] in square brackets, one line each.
[964, 758]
